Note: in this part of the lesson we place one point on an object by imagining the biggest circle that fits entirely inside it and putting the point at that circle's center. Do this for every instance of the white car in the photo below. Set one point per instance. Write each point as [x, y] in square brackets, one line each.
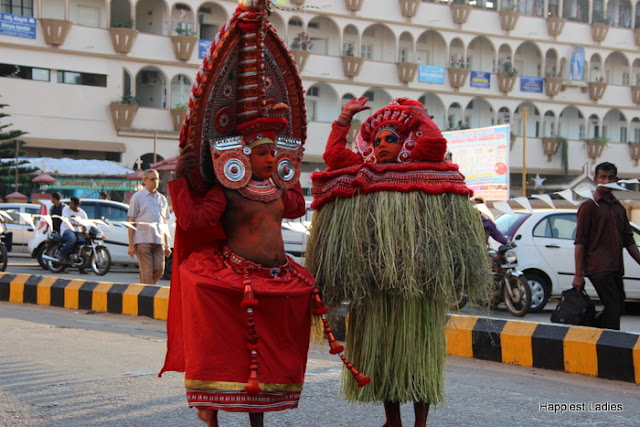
[545, 251]
[19, 223]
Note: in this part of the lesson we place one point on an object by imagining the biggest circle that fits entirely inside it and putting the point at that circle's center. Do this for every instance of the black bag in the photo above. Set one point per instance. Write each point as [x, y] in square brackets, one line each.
[576, 308]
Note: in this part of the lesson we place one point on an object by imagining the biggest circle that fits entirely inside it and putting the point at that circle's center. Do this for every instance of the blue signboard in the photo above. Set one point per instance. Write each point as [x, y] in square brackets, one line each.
[203, 46]
[17, 26]
[481, 79]
[431, 74]
[531, 84]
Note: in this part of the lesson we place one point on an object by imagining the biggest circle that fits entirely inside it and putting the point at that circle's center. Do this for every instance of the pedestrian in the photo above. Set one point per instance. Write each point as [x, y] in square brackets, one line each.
[103, 195]
[149, 213]
[396, 234]
[70, 227]
[602, 232]
[56, 211]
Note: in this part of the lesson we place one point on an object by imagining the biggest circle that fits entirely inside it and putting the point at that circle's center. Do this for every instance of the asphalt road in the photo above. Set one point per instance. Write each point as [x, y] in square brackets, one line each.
[65, 368]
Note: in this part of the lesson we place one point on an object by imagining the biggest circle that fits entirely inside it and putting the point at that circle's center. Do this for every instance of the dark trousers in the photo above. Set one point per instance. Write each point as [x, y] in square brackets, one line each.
[610, 289]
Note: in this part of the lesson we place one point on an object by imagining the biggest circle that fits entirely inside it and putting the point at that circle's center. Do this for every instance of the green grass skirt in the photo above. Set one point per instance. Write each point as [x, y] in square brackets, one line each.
[401, 259]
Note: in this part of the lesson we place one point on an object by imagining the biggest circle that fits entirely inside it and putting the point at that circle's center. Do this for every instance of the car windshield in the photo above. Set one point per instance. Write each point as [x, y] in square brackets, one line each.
[507, 223]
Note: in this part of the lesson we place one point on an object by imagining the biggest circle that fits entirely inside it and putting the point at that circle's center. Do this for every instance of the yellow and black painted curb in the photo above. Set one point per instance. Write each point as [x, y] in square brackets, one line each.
[595, 352]
[574, 349]
[118, 298]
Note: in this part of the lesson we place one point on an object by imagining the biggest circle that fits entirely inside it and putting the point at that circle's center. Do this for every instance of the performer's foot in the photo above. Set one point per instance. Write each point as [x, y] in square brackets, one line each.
[421, 410]
[257, 419]
[209, 416]
[392, 412]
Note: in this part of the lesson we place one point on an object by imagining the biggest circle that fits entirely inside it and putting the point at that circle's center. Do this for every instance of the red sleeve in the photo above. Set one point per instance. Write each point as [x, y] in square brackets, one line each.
[294, 205]
[196, 211]
[337, 155]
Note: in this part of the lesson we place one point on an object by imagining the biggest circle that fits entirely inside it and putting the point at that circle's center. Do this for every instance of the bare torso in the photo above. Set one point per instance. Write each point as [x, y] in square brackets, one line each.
[254, 229]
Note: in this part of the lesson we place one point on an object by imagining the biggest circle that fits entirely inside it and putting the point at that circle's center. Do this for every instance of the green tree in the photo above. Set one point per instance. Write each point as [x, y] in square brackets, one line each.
[8, 142]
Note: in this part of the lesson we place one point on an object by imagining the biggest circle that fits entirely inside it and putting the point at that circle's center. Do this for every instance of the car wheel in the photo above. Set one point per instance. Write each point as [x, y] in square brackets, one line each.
[540, 291]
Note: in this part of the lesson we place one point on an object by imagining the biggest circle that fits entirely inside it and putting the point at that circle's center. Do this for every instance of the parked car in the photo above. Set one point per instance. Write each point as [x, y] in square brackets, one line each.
[116, 232]
[19, 224]
[546, 253]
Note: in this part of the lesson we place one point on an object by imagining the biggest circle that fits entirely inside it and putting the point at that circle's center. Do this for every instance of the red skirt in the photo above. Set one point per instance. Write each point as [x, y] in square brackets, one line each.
[215, 333]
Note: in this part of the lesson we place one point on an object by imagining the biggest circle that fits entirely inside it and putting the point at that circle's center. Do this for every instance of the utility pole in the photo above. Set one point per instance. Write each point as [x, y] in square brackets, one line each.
[16, 165]
[525, 113]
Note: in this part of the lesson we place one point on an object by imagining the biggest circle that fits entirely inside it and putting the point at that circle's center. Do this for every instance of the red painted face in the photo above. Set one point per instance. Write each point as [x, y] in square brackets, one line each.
[387, 146]
[263, 161]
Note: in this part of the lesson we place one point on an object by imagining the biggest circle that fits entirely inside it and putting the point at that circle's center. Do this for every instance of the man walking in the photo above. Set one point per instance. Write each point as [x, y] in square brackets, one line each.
[603, 230]
[149, 241]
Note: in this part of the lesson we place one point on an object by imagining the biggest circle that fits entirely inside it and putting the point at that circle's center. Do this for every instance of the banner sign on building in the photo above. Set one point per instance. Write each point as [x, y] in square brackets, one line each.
[431, 74]
[203, 46]
[531, 84]
[17, 26]
[483, 157]
[481, 79]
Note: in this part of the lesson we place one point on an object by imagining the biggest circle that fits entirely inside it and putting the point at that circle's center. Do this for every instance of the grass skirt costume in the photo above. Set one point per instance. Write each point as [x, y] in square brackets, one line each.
[401, 242]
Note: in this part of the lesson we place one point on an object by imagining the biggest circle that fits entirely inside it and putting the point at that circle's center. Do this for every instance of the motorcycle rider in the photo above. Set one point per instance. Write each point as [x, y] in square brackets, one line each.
[69, 228]
[490, 228]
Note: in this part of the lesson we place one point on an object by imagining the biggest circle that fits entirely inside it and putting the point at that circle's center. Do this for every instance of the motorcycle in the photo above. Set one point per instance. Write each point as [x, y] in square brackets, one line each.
[4, 253]
[510, 285]
[87, 252]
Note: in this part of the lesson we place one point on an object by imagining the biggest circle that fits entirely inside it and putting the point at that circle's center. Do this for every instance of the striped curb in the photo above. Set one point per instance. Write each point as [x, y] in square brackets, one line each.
[118, 298]
[582, 350]
[575, 349]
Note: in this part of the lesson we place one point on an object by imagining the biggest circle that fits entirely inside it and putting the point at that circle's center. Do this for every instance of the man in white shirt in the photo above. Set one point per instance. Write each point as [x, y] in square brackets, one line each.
[149, 210]
[73, 212]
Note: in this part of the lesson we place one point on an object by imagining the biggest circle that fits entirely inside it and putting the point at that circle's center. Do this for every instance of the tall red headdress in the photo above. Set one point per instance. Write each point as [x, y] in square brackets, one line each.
[247, 88]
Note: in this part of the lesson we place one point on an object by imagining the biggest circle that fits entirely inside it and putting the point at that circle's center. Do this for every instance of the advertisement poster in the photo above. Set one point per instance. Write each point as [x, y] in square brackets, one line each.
[17, 26]
[483, 157]
[431, 74]
[481, 79]
[531, 84]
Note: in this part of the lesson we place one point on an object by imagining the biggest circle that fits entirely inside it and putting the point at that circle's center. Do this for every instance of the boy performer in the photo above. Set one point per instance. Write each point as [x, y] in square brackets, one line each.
[396, 235]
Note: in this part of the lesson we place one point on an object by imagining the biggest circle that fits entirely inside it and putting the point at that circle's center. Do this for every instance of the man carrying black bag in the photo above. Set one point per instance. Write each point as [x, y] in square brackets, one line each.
[603, 230]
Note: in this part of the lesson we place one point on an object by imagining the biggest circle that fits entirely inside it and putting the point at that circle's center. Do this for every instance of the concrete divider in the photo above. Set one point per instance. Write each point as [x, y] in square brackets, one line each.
[574, 349]
[595, 352]
[134, 299]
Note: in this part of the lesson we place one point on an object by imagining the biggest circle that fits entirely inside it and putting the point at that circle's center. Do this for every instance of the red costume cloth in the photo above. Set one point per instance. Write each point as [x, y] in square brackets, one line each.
[347, 174]
[207, 327]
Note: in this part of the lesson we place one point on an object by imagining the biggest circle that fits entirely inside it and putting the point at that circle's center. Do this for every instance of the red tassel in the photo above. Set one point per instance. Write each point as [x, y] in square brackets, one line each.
[253, 386]
[359, 376]
[249, 303]
[335, 347]
[320, 311]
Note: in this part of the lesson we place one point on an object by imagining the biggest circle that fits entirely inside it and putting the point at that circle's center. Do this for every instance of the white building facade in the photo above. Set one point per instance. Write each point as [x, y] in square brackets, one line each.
[573, 65]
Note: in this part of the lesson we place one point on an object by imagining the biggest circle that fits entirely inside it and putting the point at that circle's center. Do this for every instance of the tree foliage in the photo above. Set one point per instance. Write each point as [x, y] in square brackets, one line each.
[8, 140]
